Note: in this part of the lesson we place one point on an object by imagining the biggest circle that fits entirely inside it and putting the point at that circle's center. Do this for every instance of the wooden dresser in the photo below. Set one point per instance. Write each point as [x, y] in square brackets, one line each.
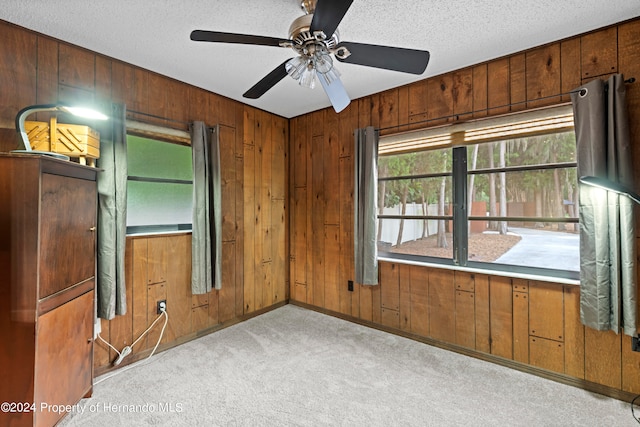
[47, 278]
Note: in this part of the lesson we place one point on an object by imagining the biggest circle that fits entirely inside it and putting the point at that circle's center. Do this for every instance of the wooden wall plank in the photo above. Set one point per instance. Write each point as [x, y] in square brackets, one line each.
[366, 302]
[441, 305]
[630, 367]
[573, 333]
[518, 82]
[299, 235]
[331, 173]
[368, 111]
[483, 323]
[389, 115]
[227, 139]
[599, 53]
[264, 150]
[179, 297]
[76, 67]
[419, 278]
[521, 327]
[389, 285]
[198, 104]
[349, 301]
[18, 59]
[200, 317]
[418, 100]
[480, 90]
[603, 358]
[227, 294]
[280, 258]
[462, 93]
[403, 108]
[546, 308]
[249, 227]
[440, 107]
[390, 318]
[404, 277]
[570, 67]
[543, 75]
[498, 86]
[316, 221]
[157, 259]
[139, 306]
[547, 354]
[331, 267]
[103, 82]
[47, 84]
[501, 312]
[121, 327]
[465, 330]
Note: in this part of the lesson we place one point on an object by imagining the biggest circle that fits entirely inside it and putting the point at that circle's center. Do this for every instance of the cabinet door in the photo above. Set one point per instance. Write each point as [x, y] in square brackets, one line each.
[64, 356]
[67, 232]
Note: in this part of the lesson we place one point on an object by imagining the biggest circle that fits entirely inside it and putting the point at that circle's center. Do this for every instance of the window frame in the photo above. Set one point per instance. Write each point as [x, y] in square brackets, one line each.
[164, 135]
[456, 138]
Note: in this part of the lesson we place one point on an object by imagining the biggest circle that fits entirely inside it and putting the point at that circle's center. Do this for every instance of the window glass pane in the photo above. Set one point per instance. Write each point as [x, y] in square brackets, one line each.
[422, 162]
[158, 203]
[556, 246]
[549, 193]
[533, 150]
[425, 196]
[416, 237]
[158, 159]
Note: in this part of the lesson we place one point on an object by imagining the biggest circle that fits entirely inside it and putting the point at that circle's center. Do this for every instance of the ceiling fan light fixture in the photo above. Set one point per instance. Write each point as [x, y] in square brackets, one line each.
[308, 77]
[330, 76]
[296, 67]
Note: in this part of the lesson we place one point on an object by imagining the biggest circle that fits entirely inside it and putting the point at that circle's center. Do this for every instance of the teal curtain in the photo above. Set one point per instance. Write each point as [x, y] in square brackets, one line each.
[112, 215]
[206, 240]
[607, 226]
[365, 201]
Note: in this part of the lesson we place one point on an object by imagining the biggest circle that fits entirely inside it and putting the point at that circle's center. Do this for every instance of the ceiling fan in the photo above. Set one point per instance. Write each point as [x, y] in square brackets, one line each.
[314, 37]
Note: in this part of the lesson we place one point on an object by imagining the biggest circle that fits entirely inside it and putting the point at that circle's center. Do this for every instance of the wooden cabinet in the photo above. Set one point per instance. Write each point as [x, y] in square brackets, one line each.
[47, 278]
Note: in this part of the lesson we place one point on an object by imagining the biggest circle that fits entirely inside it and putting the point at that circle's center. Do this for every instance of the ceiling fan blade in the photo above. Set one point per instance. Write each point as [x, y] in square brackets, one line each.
[218, 37]
[328, 15]
[269, 81]
[387, 57]
[336, 92]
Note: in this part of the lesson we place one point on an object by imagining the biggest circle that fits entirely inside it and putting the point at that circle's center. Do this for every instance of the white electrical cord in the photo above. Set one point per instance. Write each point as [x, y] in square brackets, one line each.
[128, 349]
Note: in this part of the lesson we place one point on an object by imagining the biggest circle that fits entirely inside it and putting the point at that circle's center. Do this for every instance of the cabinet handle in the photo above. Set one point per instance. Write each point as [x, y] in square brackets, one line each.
[92, 229]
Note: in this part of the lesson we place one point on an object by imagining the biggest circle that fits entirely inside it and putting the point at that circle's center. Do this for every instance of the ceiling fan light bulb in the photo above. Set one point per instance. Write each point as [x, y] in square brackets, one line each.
[296, 67]
[308, 78]
[323, 62]
[330, 76]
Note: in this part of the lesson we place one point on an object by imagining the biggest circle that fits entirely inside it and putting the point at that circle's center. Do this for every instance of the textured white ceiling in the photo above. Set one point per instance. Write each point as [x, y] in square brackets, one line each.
[155, 35]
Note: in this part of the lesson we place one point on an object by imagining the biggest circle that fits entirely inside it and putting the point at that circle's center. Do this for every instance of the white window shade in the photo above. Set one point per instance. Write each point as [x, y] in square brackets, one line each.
[516, 125]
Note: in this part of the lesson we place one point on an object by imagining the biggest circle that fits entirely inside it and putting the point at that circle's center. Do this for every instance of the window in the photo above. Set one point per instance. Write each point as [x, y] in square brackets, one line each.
[159, 185]
[499, 194]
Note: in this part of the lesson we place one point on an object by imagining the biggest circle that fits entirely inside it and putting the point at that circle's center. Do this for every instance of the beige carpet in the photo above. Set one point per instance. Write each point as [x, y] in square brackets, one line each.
[296, 367]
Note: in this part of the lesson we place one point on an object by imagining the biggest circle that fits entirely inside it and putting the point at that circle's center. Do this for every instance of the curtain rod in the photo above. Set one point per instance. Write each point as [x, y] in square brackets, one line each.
[456, 116]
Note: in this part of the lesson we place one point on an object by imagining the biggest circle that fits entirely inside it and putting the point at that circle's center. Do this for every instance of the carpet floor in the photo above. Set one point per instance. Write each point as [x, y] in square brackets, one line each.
[297, 367]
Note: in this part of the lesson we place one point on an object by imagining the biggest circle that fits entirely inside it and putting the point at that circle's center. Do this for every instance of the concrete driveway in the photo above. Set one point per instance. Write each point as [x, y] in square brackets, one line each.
[544, 249]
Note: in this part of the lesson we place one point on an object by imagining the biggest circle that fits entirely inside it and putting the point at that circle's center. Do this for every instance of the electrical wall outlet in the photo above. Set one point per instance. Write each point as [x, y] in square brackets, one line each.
[161, 306]
[350, 285]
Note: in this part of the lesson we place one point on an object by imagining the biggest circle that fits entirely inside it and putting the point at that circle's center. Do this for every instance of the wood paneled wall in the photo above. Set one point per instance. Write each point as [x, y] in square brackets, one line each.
[36, 69]
[534, 323]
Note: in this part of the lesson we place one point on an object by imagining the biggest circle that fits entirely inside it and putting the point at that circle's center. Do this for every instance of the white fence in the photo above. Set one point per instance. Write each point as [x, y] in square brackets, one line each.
[412, 228]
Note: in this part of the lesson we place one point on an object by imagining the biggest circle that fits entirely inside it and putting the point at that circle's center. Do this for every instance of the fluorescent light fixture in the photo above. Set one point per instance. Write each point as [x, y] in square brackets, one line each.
[27, 111]
[606, 184]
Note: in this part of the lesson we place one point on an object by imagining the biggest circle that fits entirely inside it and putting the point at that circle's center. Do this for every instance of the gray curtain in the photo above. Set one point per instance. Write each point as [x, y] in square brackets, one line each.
[112, 216]
[206, 243]
[365, 205]
[607, 227]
